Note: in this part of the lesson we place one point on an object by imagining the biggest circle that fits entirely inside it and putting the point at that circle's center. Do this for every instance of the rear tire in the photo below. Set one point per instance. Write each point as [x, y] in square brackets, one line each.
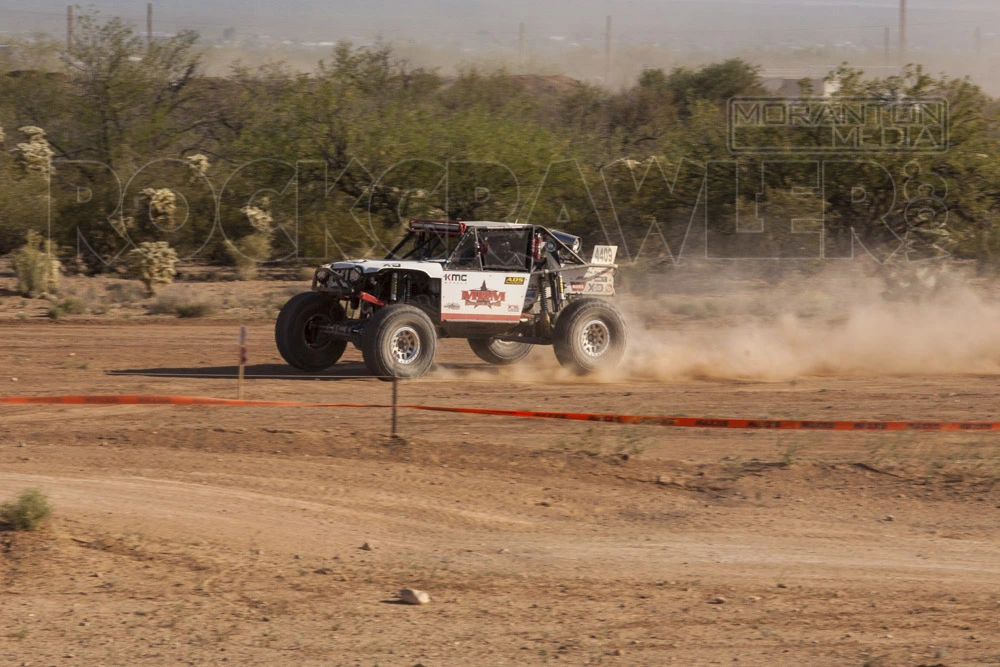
[499, 352]
[589, 336]
[399, 341]
[295, 331]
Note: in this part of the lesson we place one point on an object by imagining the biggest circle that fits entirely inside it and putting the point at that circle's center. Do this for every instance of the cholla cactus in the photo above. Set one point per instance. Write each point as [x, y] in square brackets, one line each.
[36, 267]
[36, 154]
[199, 163]
[259, 216]
[162, 205]
[153, 264]
[255, 248]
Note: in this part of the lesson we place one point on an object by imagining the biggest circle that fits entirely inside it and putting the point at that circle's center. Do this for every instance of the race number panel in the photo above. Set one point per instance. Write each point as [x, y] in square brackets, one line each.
[483, 297]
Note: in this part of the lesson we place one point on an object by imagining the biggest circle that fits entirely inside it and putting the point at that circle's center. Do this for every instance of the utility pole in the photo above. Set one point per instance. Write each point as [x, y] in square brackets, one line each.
[902, 32]
[886, 49]
[520, 47]
[149, 24]
[607, 51]
[69, 28]
[978, 39]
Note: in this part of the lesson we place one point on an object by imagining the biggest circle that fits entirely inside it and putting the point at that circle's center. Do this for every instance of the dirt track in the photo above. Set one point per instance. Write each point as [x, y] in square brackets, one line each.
[211, 535]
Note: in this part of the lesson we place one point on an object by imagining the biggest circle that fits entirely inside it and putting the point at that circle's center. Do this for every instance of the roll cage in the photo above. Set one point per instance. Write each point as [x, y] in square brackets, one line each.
[486, 246]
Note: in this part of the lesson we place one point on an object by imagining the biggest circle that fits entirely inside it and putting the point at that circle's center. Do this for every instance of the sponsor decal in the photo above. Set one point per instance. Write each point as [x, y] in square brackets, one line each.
[483, 297]
[456, 278]
[512, 309]
[514, 280]
[577, 287]
[453, 306]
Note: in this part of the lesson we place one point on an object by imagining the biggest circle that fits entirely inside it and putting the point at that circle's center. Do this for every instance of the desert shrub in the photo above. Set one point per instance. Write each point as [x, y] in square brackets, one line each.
[153, 264]
[73, 306]
[28, 512]
[248, 253]
[36, 267]
[193, 309]
[68, 306]
[125, 292]
[164, 305]
[170, 304]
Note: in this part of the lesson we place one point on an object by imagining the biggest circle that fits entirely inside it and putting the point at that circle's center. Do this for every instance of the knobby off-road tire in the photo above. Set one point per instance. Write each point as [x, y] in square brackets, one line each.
[499, 352]
[399, 341]
[589, 336]
[299, 343]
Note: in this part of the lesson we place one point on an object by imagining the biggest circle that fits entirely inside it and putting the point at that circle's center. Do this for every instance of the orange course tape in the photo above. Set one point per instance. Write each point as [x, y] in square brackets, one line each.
[683, 422]
[147, 399]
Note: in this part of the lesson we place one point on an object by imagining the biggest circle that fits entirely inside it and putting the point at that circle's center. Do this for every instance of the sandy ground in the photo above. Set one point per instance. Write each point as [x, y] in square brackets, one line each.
[232, 535]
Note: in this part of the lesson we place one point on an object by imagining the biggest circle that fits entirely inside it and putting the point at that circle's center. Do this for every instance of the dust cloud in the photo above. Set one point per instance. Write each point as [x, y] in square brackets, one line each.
[831, 325]
[742, 328]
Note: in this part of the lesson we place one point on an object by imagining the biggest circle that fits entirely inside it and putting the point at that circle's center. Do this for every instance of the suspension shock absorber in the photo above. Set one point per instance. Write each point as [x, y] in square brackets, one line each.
[545, 291]
[394, 286]
[407, 288]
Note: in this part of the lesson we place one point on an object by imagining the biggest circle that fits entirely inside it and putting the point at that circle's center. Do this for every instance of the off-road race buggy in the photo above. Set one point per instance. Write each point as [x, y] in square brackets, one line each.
[502, 286]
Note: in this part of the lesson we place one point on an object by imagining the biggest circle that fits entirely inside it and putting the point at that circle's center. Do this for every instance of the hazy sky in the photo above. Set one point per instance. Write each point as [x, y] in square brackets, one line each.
[935, 24]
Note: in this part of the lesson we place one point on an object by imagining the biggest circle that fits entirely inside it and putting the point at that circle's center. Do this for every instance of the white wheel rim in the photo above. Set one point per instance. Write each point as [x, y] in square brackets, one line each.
[595, 338]
[405, 345]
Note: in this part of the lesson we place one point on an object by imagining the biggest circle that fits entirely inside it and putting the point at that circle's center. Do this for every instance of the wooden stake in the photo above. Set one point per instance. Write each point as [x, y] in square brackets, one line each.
[243, 362]
[395, 401]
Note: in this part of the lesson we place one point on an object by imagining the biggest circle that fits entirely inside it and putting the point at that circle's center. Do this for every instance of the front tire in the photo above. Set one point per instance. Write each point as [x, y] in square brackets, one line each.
[499, 352]
[296, 335]
[399, 341]
[589, 336]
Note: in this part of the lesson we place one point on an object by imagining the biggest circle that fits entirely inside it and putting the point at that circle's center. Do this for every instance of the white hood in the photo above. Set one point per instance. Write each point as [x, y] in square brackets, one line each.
[431, 268]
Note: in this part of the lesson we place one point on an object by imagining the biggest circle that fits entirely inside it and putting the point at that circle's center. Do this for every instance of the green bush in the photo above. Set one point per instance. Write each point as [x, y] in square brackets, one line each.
[36, 266]
[28, 512]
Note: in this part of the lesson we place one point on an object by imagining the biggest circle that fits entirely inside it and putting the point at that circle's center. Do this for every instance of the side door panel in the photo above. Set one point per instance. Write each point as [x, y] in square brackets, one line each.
[487, 296]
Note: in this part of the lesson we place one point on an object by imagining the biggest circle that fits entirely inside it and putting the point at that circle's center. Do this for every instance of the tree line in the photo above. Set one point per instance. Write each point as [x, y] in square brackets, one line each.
[118, 141]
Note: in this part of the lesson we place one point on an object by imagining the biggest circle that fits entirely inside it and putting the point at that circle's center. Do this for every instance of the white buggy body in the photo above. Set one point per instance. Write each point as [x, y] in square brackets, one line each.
[503, 286]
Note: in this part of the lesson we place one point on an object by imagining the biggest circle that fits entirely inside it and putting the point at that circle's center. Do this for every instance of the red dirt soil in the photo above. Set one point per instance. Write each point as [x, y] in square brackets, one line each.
[231, 535]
